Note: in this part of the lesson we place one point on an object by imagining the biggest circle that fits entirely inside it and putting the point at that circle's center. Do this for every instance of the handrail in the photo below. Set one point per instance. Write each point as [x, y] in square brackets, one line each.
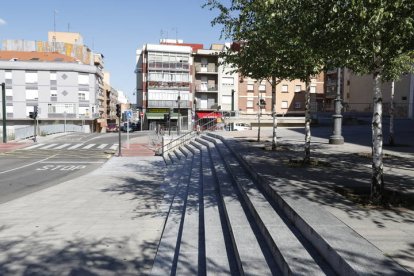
[210, 125]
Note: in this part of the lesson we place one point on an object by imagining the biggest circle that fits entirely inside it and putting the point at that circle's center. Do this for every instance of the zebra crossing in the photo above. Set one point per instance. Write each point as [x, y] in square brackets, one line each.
[68, 146]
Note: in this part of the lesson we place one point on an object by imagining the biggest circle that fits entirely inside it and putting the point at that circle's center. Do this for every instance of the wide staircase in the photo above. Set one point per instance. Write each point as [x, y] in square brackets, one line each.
[221, 223]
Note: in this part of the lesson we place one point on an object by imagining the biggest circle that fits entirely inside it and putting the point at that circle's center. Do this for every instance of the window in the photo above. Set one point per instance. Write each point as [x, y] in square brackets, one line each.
[31, 77]
[32, 94]
[83, 79]
[284, 104]
[53, 93]
[8, 75]
[298, 88]
[250, 87]
[298, 105]
[313, 89]
[83, 95]
[285, 88]
[9, 109]
[9, 92]
[262, 87]
[53, 76]
[249, 104]
[227, 81]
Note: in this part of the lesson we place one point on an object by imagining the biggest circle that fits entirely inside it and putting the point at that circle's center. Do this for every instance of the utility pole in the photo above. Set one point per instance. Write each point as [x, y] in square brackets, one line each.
[3, 101]
[178, 122]
[337, 138]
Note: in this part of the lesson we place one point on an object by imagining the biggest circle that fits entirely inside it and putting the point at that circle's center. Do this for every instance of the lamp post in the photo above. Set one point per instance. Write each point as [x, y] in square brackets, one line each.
[3, 102]
[337, 138]
[178, 121]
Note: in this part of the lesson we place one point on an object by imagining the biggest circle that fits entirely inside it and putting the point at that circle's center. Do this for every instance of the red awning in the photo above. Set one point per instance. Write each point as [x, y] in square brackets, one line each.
[208, 115]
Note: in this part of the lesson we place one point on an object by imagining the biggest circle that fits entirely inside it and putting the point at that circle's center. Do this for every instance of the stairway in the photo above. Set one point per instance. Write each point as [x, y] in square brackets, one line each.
[220, 223]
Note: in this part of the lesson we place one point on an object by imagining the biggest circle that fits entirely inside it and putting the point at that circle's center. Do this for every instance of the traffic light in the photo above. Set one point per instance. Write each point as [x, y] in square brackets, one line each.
[118, 110]
[33, 115]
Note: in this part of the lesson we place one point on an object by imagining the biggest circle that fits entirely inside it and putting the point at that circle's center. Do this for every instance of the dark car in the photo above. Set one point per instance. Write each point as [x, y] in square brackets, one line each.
[127, 127]
[112, 127]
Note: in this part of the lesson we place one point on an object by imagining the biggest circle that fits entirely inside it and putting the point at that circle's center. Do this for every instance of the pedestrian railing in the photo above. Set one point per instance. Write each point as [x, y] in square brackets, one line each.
[169, 144]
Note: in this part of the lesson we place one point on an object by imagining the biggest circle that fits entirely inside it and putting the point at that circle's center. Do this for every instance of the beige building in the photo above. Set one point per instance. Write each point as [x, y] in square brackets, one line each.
[65, 37]
[357, 93]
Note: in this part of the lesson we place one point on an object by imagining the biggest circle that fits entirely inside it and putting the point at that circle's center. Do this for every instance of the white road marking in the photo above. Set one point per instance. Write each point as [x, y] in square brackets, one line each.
[75, 146]
[48, 146]
[62, 146]
[102, 146]
[34, 146]
[114, 147]
[27, 165]
[89, 146]
[61, 167]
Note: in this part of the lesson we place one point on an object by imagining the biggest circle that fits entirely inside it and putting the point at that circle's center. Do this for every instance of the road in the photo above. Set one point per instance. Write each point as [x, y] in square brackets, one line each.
[54, 160]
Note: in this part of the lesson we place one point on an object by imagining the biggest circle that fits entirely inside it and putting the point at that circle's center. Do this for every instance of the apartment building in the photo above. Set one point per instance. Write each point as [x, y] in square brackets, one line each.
[290, 97]
[164, 83]
[214, 85]
[61, 88]
[357, 93]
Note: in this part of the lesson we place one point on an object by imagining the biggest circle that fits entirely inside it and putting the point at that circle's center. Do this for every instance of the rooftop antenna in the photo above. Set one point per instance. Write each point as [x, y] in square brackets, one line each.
[161, 34]
[68, 27]
[176, 33]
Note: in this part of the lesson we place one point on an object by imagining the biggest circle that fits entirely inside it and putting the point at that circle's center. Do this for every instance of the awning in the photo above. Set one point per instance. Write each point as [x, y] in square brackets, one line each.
[160, 116]
[208, 115]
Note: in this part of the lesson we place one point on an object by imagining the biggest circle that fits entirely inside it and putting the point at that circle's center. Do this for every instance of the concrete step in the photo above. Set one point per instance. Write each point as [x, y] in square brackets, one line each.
[217, 260]
[253, 258]
[293, 254]
[167, 251]
[341, 247]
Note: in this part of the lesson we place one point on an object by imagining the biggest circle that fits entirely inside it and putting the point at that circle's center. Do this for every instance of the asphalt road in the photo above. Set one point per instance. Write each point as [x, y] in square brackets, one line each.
[54, 160]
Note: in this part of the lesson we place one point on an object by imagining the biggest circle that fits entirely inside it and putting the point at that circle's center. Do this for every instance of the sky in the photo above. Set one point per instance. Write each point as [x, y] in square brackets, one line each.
[115, 28]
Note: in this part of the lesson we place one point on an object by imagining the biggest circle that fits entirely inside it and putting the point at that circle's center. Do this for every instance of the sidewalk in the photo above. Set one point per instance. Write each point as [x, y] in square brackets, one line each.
[343, 170]
[104, 223]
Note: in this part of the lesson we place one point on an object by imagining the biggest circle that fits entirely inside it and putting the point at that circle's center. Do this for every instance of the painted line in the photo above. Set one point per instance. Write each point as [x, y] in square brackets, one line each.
[34, 146]
[75, 146]
[89, 146]
[114, 147]
[72, 162]
[49, 146]
[28, 164]
[102, 146]
[62, 146]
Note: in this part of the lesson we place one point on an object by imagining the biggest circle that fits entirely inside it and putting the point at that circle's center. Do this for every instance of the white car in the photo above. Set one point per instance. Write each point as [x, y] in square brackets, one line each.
[241, 126]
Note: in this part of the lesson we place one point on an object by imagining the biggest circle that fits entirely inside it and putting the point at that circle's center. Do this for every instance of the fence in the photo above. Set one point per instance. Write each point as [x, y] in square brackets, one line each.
[42, 130]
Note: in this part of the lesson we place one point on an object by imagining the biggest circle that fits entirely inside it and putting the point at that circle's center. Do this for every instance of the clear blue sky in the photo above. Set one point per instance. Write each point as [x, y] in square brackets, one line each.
[115, 28]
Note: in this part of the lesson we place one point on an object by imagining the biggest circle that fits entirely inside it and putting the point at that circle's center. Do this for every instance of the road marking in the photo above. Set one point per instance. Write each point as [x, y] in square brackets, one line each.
[89, 146]
[62, 146]
[34, 146]
[28, 164]
[75, 146]
[61, 167]
[114, 147]
[102, 146]
[48, 146]
[73, 162]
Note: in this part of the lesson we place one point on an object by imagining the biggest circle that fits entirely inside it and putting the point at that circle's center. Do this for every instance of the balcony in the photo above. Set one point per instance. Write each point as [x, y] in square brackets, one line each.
[169, 85]
[167, 104]
[206, 69]
[206, 88]
[206, 106]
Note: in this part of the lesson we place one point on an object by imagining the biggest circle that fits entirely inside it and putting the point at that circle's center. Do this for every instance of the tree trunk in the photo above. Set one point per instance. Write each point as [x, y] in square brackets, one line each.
[391, 141]
[274, 136]
[306, 160]
[377, 184]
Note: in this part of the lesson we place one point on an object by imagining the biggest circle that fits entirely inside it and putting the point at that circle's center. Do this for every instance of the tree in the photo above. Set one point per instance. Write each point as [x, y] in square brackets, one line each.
[267, 48]
[373, 37]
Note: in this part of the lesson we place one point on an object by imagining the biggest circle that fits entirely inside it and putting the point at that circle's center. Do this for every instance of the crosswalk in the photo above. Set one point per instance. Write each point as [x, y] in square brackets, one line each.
[68, 146]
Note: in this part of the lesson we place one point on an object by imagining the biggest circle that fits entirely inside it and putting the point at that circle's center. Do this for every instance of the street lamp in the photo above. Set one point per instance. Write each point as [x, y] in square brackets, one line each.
[178, 102]
[337, 138]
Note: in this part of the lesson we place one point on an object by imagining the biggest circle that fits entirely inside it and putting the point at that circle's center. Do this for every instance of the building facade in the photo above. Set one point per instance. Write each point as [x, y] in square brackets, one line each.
[164, 84]
[61, 88]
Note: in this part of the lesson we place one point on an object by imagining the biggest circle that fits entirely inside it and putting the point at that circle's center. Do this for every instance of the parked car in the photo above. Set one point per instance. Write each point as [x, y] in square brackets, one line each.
[112, 127]
[241, 126]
